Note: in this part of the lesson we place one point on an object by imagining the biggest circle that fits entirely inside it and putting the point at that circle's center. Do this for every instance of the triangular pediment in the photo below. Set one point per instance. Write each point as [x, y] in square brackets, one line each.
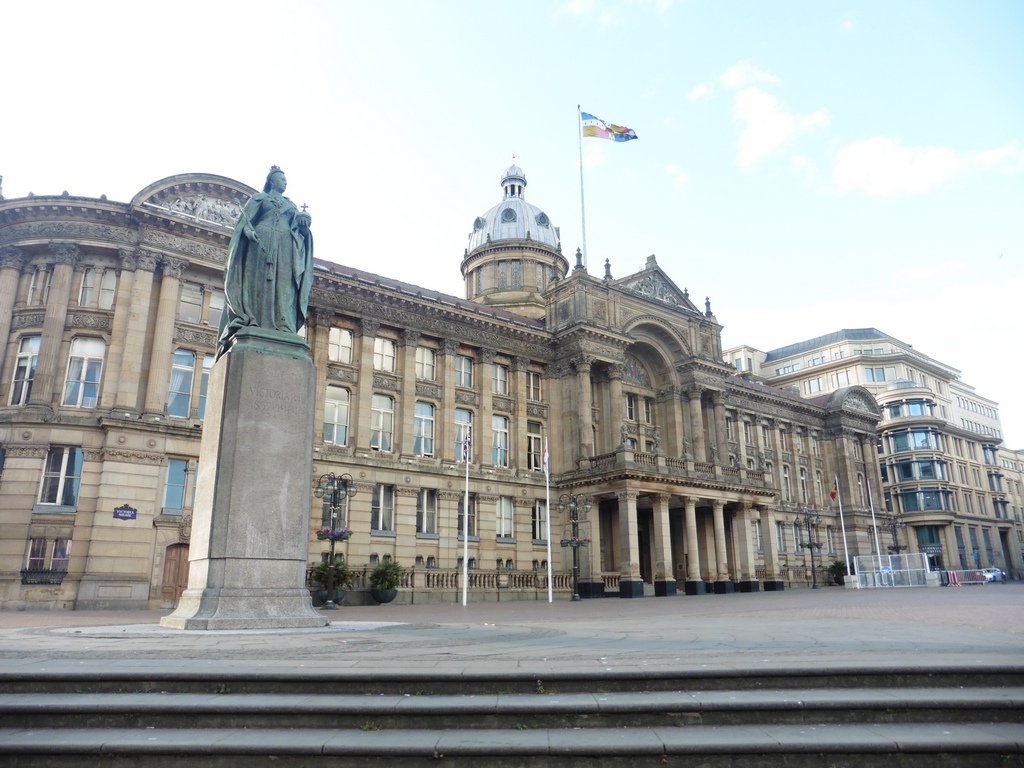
[653, 284]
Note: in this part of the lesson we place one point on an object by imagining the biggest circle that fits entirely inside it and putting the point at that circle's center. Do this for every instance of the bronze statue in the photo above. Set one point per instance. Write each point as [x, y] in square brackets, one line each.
[269, 269]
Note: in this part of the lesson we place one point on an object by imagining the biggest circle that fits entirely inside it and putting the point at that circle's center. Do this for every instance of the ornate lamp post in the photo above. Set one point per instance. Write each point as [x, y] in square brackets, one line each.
[894, 522]
[574, 503]
[811, 521]
[333, 489]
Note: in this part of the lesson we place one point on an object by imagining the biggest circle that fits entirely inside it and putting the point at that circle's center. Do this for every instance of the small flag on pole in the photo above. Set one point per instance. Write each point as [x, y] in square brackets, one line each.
[835, 489]
[547, 468]
[467, 444]
[594, 126]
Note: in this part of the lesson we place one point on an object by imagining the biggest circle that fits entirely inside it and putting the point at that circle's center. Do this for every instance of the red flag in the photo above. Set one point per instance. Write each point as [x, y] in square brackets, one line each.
[835, 489]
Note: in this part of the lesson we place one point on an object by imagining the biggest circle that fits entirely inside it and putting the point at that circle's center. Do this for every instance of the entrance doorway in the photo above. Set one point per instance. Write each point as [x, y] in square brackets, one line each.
[175, 574]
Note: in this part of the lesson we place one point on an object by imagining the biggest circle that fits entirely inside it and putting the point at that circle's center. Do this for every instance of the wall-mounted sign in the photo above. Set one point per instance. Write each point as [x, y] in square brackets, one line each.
[125, 512]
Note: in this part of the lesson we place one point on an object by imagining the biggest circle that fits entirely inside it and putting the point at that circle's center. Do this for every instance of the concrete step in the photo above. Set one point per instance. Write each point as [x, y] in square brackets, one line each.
[513, 711]
[791, 746]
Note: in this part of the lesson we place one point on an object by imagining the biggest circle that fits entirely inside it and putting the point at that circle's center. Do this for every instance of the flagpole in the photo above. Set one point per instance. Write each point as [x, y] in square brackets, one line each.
[547, 511]
[842, 522]
[583, 207]
[467, 447]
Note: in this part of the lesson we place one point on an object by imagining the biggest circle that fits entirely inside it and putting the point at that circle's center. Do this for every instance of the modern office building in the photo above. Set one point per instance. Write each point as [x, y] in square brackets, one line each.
[686, 477]
[949, 487]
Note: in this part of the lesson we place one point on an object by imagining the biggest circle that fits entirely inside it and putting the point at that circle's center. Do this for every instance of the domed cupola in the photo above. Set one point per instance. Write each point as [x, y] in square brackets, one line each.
[514, 252]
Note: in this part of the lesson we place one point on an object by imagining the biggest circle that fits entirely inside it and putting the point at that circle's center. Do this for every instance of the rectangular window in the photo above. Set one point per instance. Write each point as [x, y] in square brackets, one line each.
[780, 537]
[796, 537]
[841, 379]
[533, 390]
[539, 522]
[803, 485]
[25, 370]
[786, 491]
[336, 408]
[748, 436]
[175, 486]
[39, 288]
[499, 441]
[758, 538]
[61, 475]
[648, 411]
[382, 508]
[631, 407]
[339, 345]
[382, 422]
[108, 283]
[60, 554]
[179, 396]
[426, 364]
[503, 518]
[88, 287]
[190, 303]
[812, 386]
[463, 423]
[204, 385]
[499, 379]
[534, 449]
[426, 511]
[216, 308]
[423, 430]
[82, 387]
[730, 428]
[463, 522]
[463, 371]
[384, 355]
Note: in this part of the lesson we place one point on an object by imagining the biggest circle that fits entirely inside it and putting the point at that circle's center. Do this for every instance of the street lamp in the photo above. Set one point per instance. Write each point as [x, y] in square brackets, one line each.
[894, 522]
[333, 489]
[574, 503]
[811, 521]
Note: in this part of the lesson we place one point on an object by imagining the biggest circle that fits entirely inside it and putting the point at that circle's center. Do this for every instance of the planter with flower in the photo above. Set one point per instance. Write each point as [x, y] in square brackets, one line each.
[331, 579]
[385, 579]
[575, 542]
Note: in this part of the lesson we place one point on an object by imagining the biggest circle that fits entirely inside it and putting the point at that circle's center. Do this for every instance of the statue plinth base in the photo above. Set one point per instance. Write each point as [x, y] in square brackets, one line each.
[250, 525]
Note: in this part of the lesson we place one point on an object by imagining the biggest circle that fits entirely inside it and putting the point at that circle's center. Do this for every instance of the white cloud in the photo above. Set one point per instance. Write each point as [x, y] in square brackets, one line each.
[767, 127]
[1009, 158]
[699, 92]
[884, 167]
[745, 73]
[677, 175]
[804, 166]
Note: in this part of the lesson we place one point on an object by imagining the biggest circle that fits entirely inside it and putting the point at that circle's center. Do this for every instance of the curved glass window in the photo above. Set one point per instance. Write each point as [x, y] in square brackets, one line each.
[924, 499]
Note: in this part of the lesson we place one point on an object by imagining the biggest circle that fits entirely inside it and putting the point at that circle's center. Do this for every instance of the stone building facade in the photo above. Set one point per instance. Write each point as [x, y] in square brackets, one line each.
[697, 479]
[950, 487]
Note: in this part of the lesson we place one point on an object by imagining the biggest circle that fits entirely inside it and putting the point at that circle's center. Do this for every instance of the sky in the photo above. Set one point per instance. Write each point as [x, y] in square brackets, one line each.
[808, 166]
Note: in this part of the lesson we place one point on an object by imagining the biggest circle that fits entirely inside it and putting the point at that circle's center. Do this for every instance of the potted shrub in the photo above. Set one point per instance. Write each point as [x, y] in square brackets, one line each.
[837, 571]
[322, 574]
[384, 580]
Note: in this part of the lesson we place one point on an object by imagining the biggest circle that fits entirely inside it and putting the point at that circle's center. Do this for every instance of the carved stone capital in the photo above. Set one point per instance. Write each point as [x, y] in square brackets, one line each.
[449, 346]
[65, 253]
[616, 371]
[127, 259]
[12, 258]
[369, 326]
[172, 266]
[487, 356]
[146, 260]
[520, 364]
[410, 337]
[322, 317]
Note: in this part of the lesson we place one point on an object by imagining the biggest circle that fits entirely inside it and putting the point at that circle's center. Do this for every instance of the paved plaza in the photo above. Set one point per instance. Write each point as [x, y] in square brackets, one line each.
[832, 627]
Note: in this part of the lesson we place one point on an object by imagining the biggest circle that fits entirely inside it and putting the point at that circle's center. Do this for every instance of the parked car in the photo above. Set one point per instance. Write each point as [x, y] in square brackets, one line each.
[993, 574]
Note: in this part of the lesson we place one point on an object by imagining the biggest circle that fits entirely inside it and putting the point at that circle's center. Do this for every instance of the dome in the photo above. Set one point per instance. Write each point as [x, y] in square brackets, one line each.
[513, 218]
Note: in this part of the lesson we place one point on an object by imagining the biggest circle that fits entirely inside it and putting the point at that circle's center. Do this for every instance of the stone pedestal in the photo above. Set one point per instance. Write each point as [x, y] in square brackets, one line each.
[250, 527]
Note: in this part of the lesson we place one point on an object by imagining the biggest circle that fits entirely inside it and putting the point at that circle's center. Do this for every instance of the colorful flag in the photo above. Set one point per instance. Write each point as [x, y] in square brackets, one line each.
[467, 444]
[547, 469]
[835, 489]
[593, 126]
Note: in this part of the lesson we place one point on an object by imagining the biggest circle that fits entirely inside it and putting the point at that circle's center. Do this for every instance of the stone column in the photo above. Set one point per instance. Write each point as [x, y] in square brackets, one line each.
[593, 585]
[697, 426]
[45, 381]
[664, 569]
[517, 430]
[319, 343]
[118, 331]
[407, 415]
[618, 406]
[163, 338]
[12, 260]
[585, 414]
[721, 438]
[723, 582]
[483, 437]
[950, 552]
[772, 583]
[364, 397]
[743, 521]
[694, 584]
[630, 584]
[676, 429]
[142, 265]
[444, 429]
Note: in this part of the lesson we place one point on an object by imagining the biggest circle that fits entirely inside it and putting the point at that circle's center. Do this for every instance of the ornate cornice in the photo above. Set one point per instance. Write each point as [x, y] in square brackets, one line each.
[12, 257]
[96, 322]
[188, 335]
[130, 457]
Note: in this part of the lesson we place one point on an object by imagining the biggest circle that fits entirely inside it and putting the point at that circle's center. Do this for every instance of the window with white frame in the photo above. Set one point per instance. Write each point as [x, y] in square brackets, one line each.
[499, 441]
[630, 406]
[426, 364]
[803, 485]
[534, 447]
[503, 518]
[499, 379]
[648, 410]
[382, 508]
[755, 526]
[204, 385]
[25, 370]
[463, 371]
[382, 422]
[336, 410]
[539, 520]
[426, 511]
[463, 423]
[423, 430]
[787, 493]
[108, 285]
[796, 537]
[44, 554]
[216, 310]
[179, 396]
[339, 345]
[190, 303]
[829, 541]
[179, 487]
[533, 390]
[82, 386]
[61, 475]
[730, 429]
[780, 537]
[39, 286]
[748, 435]
[819, 486]
[471, 520]
[384, 355]
[88, 288]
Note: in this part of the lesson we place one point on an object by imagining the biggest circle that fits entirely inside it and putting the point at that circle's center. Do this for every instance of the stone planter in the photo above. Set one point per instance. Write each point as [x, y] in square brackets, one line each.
[384, 595]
